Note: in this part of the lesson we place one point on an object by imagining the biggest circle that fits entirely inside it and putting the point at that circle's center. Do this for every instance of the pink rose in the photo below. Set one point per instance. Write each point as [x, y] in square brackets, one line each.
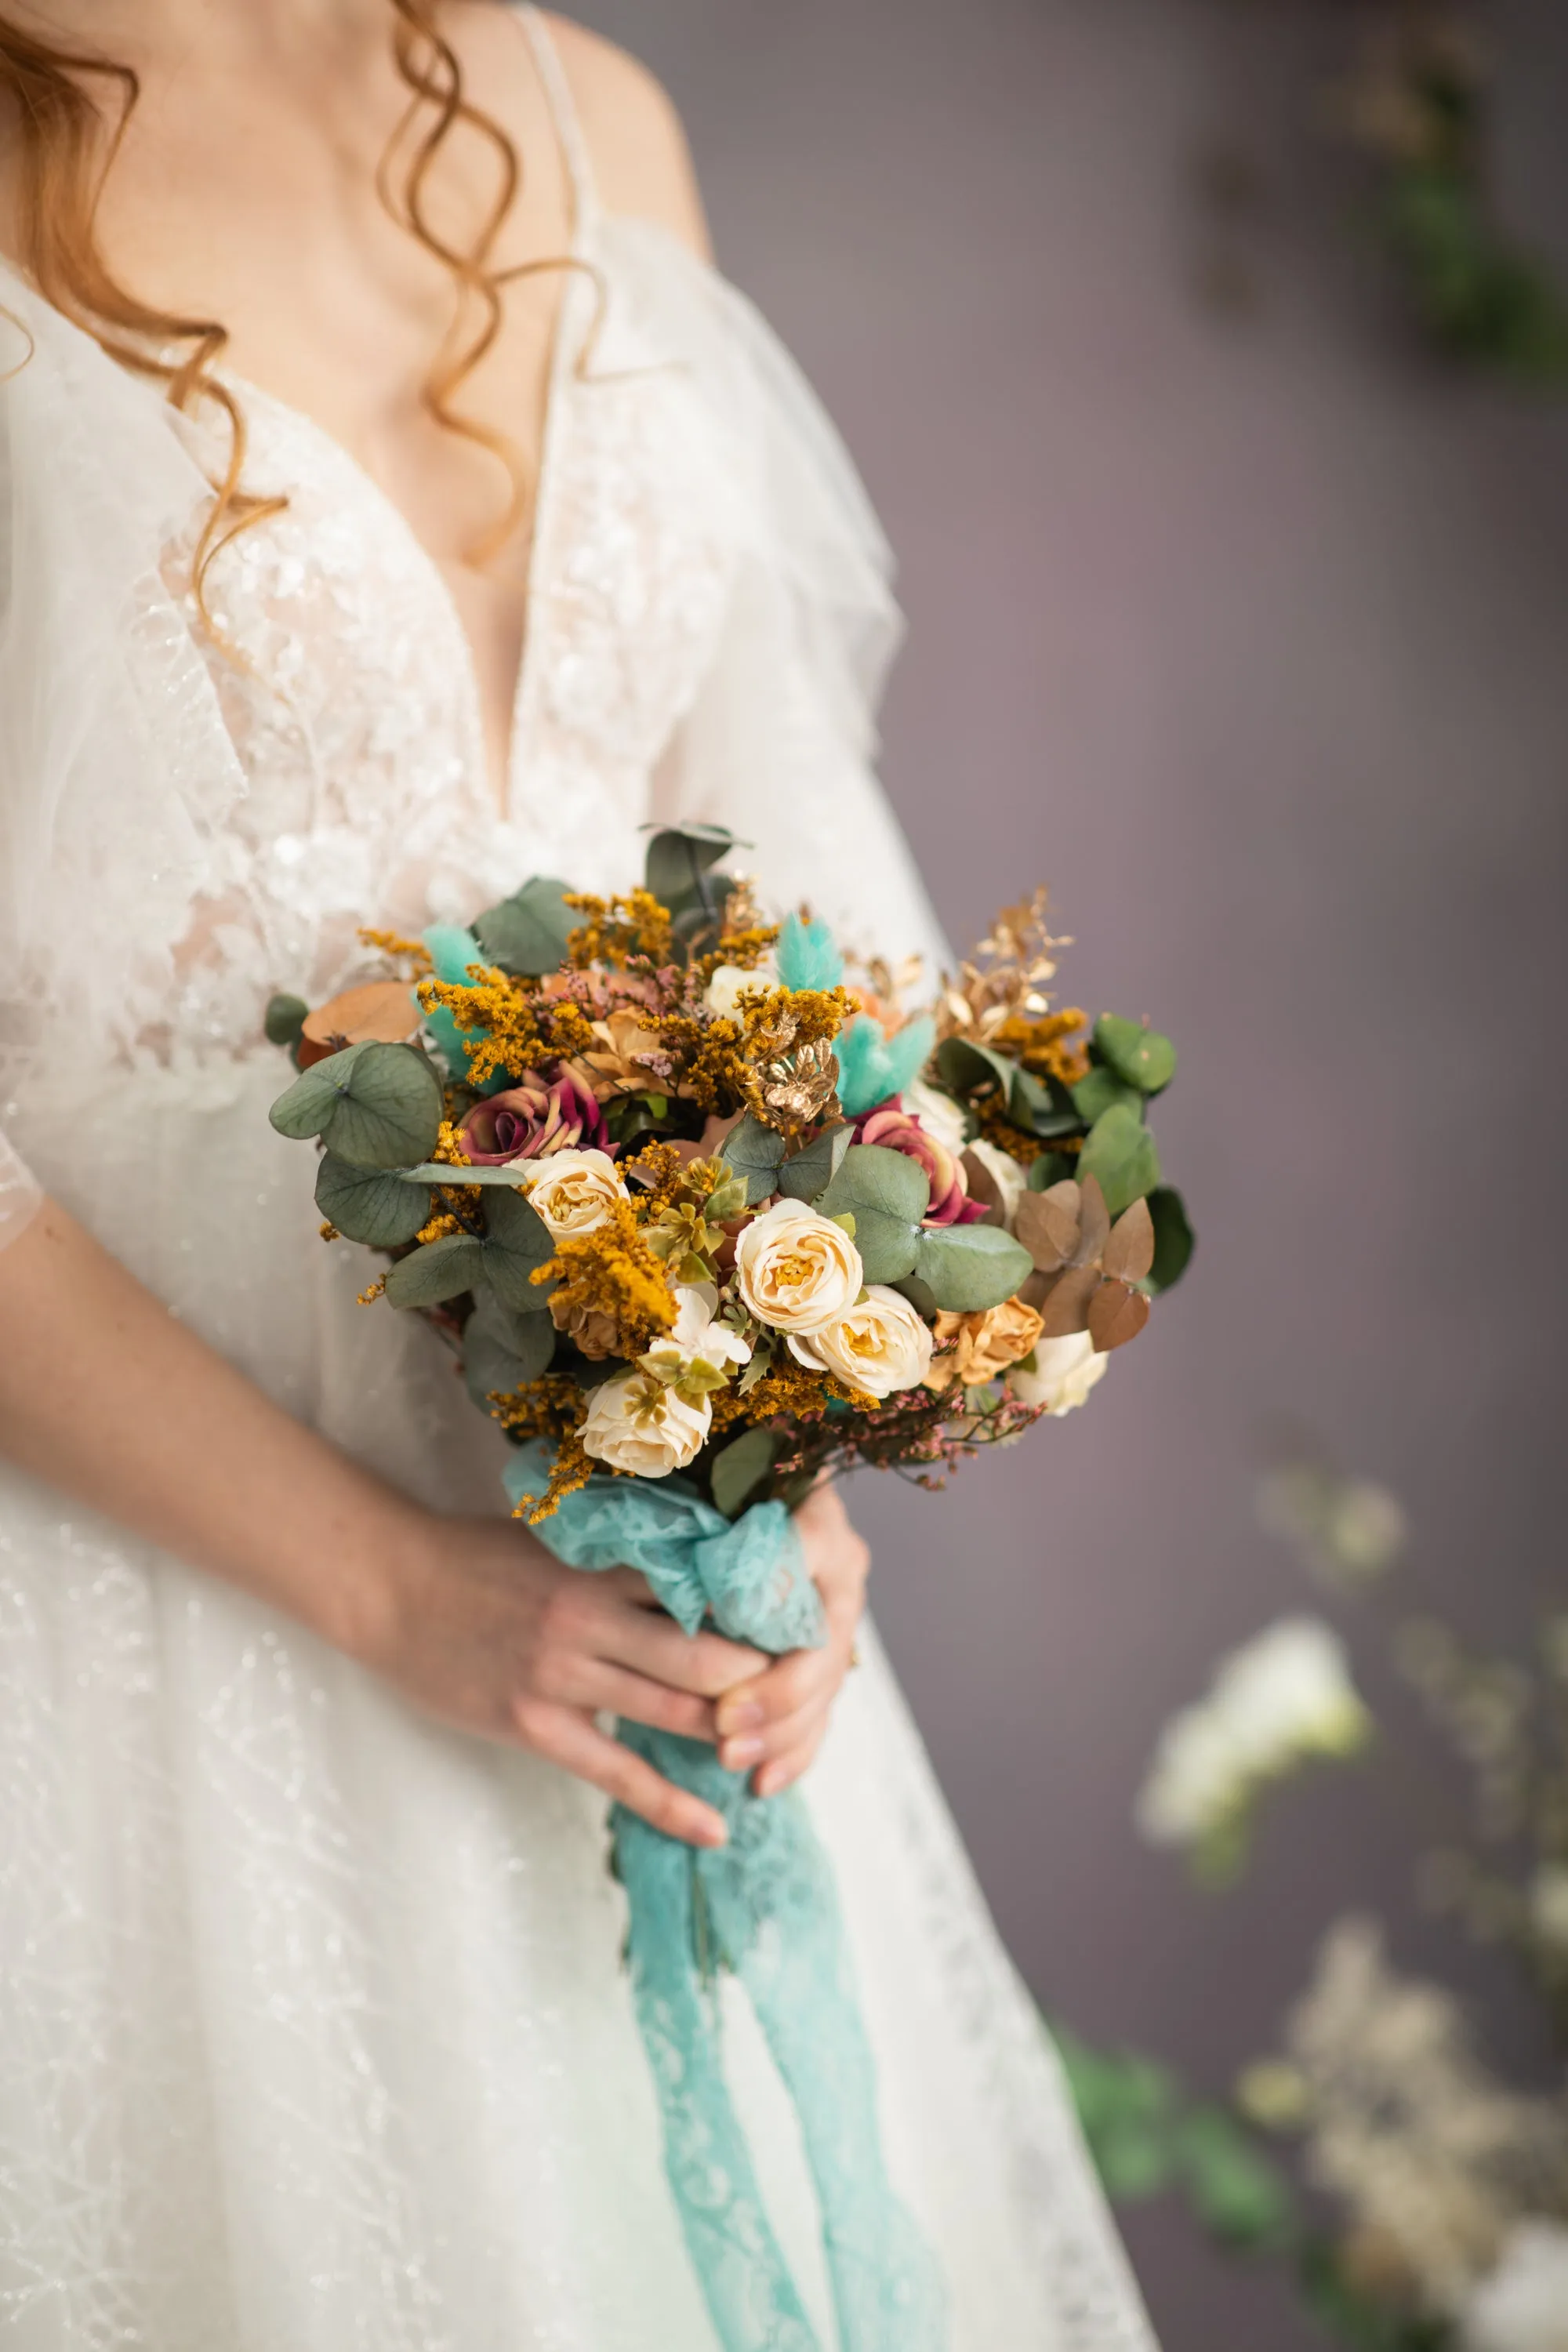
[529, 1121]
[899, 1130]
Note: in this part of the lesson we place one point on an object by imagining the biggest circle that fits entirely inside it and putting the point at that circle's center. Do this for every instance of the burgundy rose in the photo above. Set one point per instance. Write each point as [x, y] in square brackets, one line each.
[897, 1129]
[528, 1122]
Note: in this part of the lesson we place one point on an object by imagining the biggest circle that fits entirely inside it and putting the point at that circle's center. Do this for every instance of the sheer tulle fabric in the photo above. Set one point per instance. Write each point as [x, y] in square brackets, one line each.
[313, 2028]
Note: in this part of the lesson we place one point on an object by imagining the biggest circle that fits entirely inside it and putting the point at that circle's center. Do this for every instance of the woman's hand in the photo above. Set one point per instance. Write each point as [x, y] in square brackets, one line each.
[480, 1625]
[776, 1719]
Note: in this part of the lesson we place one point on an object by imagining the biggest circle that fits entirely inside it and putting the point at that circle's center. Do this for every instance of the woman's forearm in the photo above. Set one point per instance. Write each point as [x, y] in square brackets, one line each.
[109, 1397]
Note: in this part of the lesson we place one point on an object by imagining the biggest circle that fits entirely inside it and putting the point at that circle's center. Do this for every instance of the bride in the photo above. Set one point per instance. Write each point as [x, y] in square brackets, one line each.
[394, 504]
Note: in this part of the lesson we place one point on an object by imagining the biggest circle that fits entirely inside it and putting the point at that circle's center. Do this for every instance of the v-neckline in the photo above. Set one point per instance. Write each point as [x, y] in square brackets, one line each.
[501, 805]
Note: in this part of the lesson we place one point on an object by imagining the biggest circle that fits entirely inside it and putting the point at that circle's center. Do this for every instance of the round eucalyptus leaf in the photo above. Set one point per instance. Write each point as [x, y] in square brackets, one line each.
[501, 1350]
[753, 1150]
[528, 932]
[1140, 1056]
[388, 1111]
[1049, 1168]
[516, 1242]
[442, 1269]
[886, 1193]
[811, 1172]
[967, 1268]
[1120, 1152]
[739, 1470]
[971, 1069]
[1100, 1091]
[309, 1104]
[680, 856]
[285, 1019]
[369, 1205]
[1174, 1241]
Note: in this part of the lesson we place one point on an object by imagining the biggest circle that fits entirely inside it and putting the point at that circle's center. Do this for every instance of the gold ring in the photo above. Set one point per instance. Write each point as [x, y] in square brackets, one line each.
[854, 1654]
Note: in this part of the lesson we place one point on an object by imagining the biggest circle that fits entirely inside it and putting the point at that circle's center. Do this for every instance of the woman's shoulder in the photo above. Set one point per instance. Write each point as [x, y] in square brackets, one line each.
[636, 144]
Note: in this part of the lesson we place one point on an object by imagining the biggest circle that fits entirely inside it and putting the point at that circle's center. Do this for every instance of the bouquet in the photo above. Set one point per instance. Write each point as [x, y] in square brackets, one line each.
[707, 1214]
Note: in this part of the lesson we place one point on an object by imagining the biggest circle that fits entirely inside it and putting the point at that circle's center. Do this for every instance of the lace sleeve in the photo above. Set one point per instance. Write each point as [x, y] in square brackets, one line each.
[780, 741]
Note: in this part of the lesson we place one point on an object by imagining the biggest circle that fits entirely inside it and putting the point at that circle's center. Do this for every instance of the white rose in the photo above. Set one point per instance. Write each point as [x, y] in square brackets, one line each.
[1523, 2306]
[573, 1191]
[637, 1423]
[942, 1117]
[879, 1344]
[1065, 1372]
[796, 1269]
[698, 1342]
[1004, 1174]
[723, 992]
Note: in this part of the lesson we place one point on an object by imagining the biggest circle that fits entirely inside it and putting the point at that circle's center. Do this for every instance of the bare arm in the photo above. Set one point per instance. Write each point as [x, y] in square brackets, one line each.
[111, 1399]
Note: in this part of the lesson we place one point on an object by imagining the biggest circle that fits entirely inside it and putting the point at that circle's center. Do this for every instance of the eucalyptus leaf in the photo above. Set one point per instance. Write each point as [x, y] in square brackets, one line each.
[1049, 1168]
[501, 1350]
[439, 1172]
[967, 1268]
[516, 1242]
[920, 1295]
[812, 1170]
[1120, 1152]
[440, 1270]
[971, 1069]
[740, 1469]
[754, 1151]
[1173, 1238]
[886, 1193]
[1040, 1109]
[284, 1020]
[307, 1105]
[1100, 1091]
[1141, 1057]
[367, 1205]
[680, 856]
[528, 932]
[388, 1108]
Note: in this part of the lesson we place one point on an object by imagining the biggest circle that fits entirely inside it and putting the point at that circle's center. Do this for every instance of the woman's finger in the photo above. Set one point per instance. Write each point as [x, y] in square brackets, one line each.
[576, 1742]
[785, 1687]
[654, 1644]
[746, 1748]
[604, 1689]
[782, 1771]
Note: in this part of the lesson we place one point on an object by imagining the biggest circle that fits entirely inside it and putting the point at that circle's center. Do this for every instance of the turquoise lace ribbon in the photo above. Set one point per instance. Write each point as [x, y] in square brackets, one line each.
[765, 1908]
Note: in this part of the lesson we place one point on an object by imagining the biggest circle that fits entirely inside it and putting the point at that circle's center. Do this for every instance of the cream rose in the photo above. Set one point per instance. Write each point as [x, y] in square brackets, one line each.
[637, 1423]
[573, 1191]
[722, 995]
[796, 1269]
[879, 1344]
[1065, 1372]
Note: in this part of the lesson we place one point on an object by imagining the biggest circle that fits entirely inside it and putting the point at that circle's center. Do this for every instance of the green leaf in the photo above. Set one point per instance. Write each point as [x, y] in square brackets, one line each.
[527, 933]
[886, 1193]
[812, 1170]
[740, 1469]
[1173, 1238]
[971, 1069]
[1049, 1168]
[368, 1205]
[1097, 1094]
[438, 1172]
[1235, 2190]
[1041, 1110]
[440, 1270]
[967, 1268]
[679, 856]
[388, 1108]
[517, 1241]
[285, 1019]
[307, 1105]
[502, 1349]
[754, 1151]
[1120, 1152]
[1140, 1056]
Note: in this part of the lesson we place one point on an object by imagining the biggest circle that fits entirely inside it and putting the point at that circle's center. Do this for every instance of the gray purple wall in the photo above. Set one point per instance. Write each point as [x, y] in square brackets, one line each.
[1252, 636]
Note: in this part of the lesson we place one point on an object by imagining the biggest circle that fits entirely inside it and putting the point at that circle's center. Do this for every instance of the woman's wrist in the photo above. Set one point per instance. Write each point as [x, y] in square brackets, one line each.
[361, 1603]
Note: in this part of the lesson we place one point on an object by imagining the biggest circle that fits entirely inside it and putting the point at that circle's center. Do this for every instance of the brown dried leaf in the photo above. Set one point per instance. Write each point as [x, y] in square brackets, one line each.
[384, 1011]
[1095, 1221]
[1130, 1251]
[983, 1186]
[1116, 1315]
[1066, 1308]
[1048, 1224]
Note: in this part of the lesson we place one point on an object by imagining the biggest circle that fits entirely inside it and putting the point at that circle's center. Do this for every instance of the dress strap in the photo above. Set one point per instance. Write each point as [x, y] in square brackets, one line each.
[564, 112]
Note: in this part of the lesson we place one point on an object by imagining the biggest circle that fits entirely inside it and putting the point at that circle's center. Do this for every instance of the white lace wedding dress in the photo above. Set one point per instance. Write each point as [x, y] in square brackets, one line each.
[313, 2028]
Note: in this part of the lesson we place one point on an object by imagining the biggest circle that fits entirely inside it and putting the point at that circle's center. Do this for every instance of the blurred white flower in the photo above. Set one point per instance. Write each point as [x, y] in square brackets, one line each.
[1059, 1374]
[1280, 1699]
[723, 992]
[938, 1113]
[696, 1354]
[1523, 2306]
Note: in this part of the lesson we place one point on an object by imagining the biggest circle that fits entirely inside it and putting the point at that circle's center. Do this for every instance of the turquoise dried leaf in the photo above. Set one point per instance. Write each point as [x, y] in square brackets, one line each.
[806, 954]
[871, 1066]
